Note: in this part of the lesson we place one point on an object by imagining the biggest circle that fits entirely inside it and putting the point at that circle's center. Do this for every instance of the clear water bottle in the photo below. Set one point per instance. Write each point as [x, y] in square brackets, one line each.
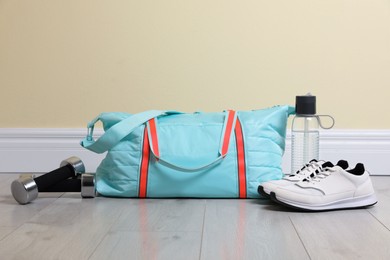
[305, 135]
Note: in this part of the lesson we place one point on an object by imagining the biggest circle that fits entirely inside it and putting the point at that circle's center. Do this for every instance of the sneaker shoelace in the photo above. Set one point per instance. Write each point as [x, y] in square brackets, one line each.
[324, 173]
[314, 167]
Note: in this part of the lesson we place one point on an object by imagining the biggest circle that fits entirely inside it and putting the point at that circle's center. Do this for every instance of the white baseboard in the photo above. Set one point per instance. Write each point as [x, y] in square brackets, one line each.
[42, 150]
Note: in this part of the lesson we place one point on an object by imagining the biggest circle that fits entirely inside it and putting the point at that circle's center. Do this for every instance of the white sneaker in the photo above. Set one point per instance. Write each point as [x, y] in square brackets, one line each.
[310, 169]
[333, 188]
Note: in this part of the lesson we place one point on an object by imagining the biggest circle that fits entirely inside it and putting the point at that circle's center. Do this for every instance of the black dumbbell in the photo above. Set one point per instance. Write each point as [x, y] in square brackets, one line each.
[26, 189]
[84, 183]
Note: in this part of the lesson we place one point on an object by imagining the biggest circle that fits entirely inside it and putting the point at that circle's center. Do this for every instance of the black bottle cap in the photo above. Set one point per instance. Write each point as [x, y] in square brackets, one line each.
[305, 105]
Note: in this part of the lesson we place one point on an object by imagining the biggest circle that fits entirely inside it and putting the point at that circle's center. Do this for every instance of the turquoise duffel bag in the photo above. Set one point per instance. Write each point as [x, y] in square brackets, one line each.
[159, 154]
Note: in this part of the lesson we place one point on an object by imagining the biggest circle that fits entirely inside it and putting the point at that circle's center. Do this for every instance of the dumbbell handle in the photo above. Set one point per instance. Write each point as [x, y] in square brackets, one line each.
[46, 180]
[68, 185]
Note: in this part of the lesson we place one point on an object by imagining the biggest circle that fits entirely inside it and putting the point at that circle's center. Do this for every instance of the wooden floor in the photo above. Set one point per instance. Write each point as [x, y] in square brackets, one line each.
[64, 226]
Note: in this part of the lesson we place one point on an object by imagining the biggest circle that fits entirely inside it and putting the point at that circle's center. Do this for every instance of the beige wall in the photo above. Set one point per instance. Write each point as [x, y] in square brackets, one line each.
[64, 61]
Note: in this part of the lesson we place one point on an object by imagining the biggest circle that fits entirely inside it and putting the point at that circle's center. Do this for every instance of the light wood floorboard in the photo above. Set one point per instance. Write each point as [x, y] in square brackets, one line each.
[64, 226]
[249, 229]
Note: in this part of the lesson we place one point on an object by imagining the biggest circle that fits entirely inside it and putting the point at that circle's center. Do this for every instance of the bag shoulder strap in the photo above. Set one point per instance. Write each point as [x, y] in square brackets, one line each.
[118, 131]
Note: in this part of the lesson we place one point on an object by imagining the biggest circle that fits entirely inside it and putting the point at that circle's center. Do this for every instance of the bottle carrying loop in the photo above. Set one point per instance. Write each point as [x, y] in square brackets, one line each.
[319, 120]
[321, 125]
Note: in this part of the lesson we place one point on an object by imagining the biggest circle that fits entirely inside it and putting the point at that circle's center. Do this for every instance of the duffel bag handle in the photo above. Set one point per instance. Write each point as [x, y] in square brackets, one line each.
[229, 123]
[118, 131]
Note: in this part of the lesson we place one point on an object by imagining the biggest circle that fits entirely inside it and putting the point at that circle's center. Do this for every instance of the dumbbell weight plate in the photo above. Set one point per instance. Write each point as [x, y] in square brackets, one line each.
[24, 190]
[88, 185]
[76, 163]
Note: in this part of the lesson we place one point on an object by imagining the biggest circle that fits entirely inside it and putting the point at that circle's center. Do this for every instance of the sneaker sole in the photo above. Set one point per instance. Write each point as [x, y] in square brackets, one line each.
[355, 203]
[261, 191]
